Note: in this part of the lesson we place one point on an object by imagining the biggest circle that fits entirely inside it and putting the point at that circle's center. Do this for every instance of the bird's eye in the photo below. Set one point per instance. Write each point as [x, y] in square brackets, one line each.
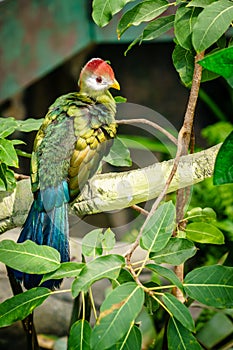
[99, 80]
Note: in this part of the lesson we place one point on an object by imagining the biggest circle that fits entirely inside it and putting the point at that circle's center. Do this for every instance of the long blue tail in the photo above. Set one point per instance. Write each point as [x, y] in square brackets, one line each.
[47, 224]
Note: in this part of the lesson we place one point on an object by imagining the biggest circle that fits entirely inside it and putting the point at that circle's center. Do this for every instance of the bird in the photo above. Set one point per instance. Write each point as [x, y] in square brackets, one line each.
[77, 132]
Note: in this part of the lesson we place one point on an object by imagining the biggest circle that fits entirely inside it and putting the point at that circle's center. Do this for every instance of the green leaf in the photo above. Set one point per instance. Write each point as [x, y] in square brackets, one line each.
[183, 61]
[79, 338]
[103, 10]
[198, 214]
[212, 22]
[119, 154]
[92, 243]
[200, 3]
[124, 276]
[180, 338]
[185, 19]
[158, 27]
[220, 62]
[223, 169]
[7, 126]
[211, 285]
[7, 178]
[203, 232]
[18, 142]
[8, 153]
[153, 30]
[23, 154]
[66, 269]
[131, 340]
[107, 266]
[179, 311]
[29, 124]
[143, 12]
[166, 273]
[29, 257]
[120, 99]
[117, 313]
[176, 252]
[108, 240]
[21, 305]
[159, 228]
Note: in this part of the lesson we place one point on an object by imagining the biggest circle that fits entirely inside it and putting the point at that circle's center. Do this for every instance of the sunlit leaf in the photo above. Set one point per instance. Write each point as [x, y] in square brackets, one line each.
[103, 10]
[158, 27]
[176, 252]
[7, 178]
[117, 313]
[21, 305]
[18, 142]
[92, 243]
[120, 99]
[8, 154]
[29, 257]
[183, 61]
[179, 311]
[119, 154]
[29, 124]
[79, 338]
[7, 126]
[200, 3]
[142, 12]
[166, 273]
[109, 240]
[204, 232]
[107, 266]
[220, 62]
[223, 169]
[212, 22]
[66, 269]
[131, 340]
[198, 214]
[211, 285]
[159, 228]
[185, 19]
[180, 337]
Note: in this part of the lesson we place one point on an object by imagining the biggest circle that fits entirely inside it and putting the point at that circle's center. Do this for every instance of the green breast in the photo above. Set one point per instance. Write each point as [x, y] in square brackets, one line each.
[73, 139]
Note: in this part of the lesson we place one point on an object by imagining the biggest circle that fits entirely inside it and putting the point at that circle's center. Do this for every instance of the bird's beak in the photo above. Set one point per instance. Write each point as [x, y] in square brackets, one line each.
[115, 85]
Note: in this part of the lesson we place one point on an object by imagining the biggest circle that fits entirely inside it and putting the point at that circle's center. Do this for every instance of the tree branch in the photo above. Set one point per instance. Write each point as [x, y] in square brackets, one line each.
[111, 191]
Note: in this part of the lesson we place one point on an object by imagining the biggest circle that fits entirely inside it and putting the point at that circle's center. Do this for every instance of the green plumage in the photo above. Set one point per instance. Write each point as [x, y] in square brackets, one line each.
[76, 133]
[72, 141]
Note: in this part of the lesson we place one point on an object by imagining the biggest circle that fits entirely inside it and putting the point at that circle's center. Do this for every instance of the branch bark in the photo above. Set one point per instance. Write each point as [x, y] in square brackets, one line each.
[111, 191]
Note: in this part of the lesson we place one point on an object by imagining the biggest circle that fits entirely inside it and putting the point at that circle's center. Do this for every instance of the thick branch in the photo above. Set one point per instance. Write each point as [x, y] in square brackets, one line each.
[106, 192]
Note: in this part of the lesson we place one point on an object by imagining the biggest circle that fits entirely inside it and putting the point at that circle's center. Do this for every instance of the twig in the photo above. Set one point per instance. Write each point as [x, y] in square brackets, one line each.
[140, 209]
[19, 177]
[148, 122]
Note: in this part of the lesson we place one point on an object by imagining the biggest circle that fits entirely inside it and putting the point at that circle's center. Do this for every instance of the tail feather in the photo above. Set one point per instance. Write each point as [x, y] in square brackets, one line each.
[45, 228]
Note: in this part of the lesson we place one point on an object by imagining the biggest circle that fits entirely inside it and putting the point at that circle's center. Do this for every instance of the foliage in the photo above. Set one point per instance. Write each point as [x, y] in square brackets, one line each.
[8, 152]
[212, 285]
[199, 25]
